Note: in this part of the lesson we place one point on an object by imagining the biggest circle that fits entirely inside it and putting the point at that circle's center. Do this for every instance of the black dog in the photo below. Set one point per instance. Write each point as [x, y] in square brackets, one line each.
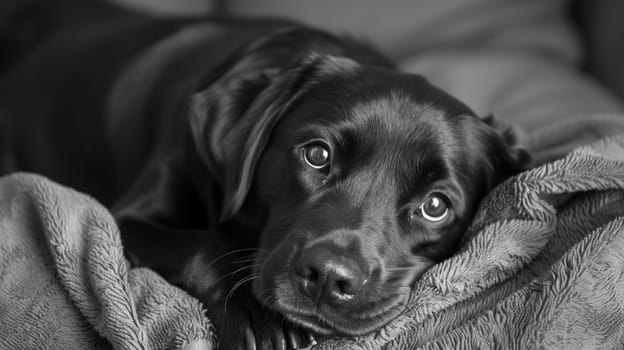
[300, 186]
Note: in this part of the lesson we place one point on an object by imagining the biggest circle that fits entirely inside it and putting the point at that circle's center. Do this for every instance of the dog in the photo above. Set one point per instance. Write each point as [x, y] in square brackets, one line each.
[292, 180]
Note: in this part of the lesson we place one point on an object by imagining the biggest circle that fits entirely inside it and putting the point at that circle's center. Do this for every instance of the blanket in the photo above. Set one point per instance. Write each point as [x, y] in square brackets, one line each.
[541, 266]
[65, 284]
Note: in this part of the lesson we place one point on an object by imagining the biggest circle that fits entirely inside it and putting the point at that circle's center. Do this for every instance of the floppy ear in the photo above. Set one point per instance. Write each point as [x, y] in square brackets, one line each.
[505, 156]
[232, 119]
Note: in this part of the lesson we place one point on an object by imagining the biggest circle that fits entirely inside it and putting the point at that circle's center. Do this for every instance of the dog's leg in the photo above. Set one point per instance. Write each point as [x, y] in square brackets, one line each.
[150, 215]
[221, 278]
[219, 274]
[209, 265]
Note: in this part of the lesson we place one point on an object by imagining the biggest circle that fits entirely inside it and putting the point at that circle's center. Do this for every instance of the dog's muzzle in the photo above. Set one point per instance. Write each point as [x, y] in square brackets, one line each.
[328, 277]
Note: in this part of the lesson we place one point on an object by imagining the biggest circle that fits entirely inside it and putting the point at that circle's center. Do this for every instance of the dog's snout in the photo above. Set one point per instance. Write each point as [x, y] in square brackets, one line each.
[327, 277]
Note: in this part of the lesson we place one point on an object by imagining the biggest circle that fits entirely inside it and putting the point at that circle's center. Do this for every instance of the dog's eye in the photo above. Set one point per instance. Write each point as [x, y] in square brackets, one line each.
[435, 208]
[316, 155]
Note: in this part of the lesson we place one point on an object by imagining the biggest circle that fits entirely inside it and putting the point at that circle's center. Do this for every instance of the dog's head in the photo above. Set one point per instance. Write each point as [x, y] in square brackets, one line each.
[363, 178]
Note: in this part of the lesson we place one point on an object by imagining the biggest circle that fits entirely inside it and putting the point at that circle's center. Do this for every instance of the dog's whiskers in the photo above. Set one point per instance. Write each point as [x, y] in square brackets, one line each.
[267, 299]
[229, 274]
[236, 286]
[395, 269]
[243, 261]
[303, 233]
[257, 250]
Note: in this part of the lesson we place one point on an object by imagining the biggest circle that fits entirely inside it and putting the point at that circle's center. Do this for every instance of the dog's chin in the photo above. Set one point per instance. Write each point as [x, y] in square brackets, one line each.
[324, 320]
[329, 322]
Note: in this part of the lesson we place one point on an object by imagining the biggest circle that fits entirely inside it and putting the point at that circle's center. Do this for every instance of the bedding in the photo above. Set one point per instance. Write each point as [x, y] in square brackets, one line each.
[542, 265]
[65, 284]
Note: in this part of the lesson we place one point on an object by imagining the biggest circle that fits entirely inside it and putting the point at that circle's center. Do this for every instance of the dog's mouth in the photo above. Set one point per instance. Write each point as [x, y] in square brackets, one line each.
[360, 315]
[326, 320]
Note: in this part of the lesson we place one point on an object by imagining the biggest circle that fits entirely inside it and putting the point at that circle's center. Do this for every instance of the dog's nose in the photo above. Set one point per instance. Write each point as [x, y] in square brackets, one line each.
[329, 277]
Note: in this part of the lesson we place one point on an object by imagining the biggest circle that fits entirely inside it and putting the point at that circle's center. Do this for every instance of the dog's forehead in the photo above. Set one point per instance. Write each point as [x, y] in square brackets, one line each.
[400, 123]
[376, 110]
[403, 133]
[382, 119]
[387, 101]
[395, 112]
[408, 129]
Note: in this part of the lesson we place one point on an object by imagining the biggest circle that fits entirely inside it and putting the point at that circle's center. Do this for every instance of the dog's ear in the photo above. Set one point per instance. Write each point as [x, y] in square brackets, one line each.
[232, 118]
[504, 155]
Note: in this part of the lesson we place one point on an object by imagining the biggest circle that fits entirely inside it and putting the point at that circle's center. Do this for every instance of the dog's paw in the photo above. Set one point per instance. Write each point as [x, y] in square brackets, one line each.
[241, 321]
[244, 324]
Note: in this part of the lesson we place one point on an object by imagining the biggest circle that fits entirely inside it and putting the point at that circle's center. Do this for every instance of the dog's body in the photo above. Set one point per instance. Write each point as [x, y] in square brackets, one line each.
[345, 179]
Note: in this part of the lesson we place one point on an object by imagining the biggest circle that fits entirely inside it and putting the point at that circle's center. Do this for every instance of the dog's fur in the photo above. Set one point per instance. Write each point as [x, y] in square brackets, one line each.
[202, 163]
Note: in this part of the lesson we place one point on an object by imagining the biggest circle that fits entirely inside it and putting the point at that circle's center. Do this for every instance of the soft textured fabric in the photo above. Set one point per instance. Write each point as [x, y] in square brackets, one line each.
[65, 284]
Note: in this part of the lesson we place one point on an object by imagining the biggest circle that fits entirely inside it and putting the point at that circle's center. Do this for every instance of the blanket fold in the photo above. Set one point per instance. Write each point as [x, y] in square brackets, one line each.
[541, 266]
[65, 284]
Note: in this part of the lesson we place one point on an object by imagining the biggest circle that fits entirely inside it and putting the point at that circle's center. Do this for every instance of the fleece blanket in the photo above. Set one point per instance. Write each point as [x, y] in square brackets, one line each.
[542, 266]
[65, 284]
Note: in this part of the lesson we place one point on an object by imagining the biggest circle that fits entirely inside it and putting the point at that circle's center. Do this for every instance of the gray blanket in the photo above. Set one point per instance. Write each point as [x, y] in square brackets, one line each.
[542, 266]
[65, 284]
